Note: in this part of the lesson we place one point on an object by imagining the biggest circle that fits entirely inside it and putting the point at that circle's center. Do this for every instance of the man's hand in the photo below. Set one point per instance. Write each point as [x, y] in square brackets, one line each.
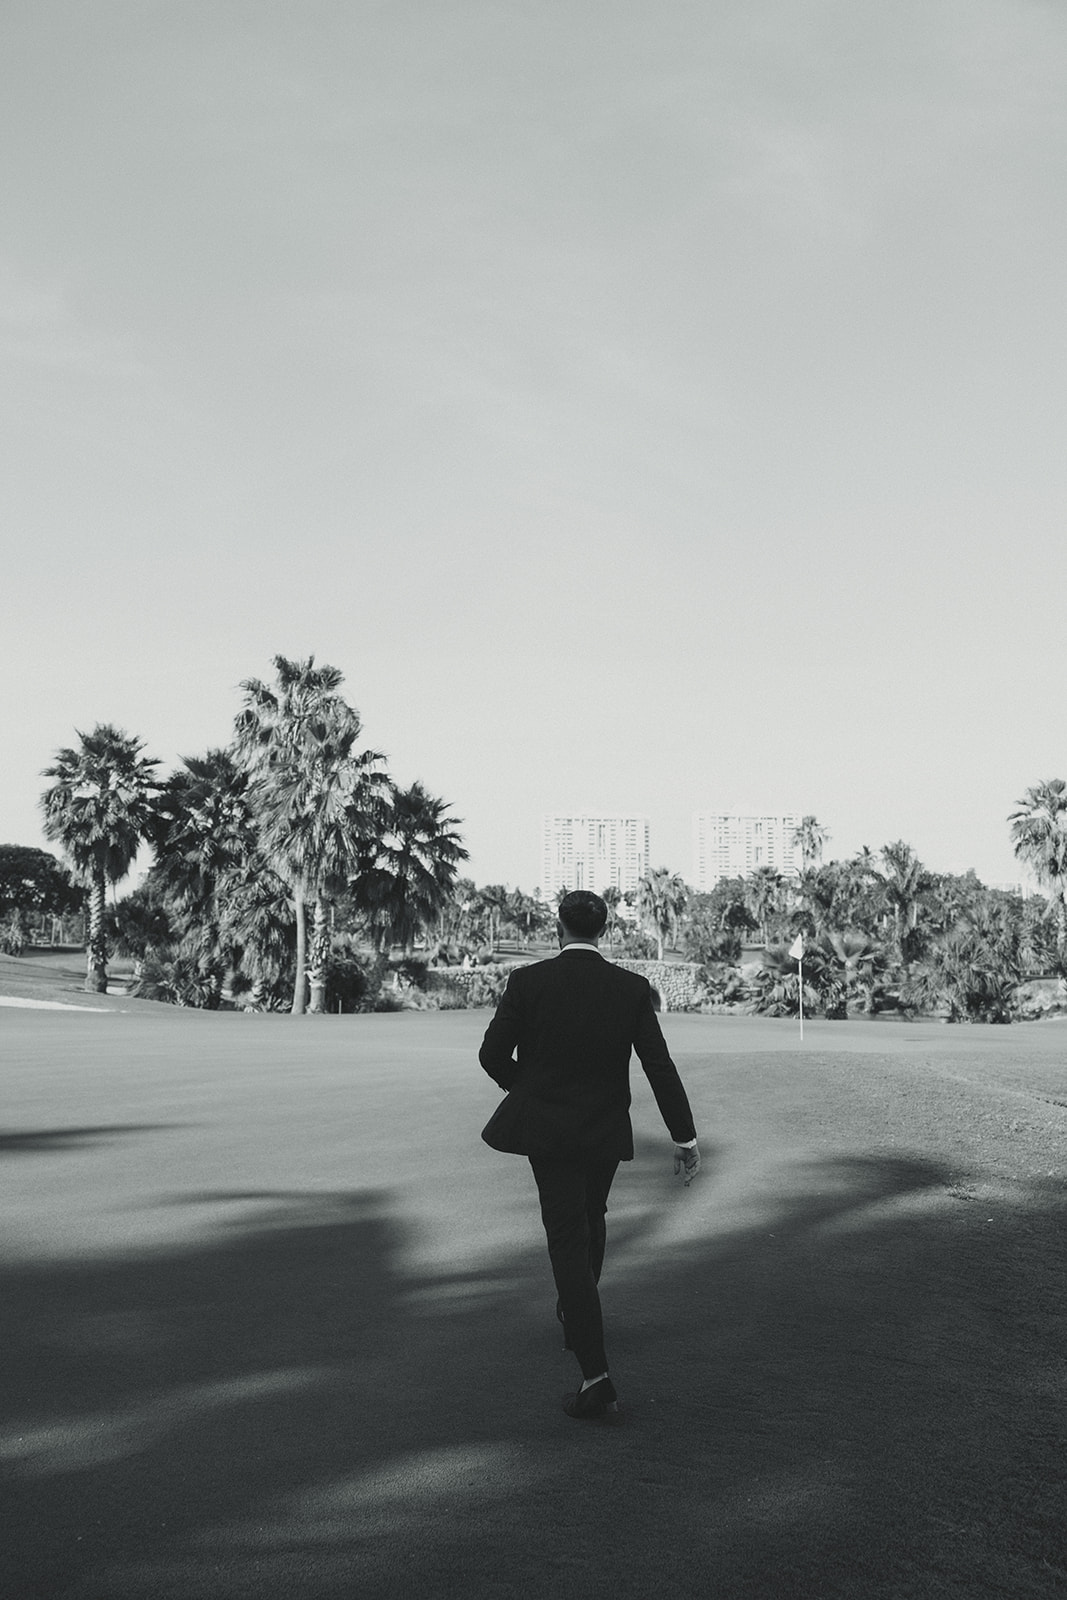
[686, 1162]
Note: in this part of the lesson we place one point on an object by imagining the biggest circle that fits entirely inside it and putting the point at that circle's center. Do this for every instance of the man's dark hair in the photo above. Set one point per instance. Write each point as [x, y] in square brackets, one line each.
[583, 914]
